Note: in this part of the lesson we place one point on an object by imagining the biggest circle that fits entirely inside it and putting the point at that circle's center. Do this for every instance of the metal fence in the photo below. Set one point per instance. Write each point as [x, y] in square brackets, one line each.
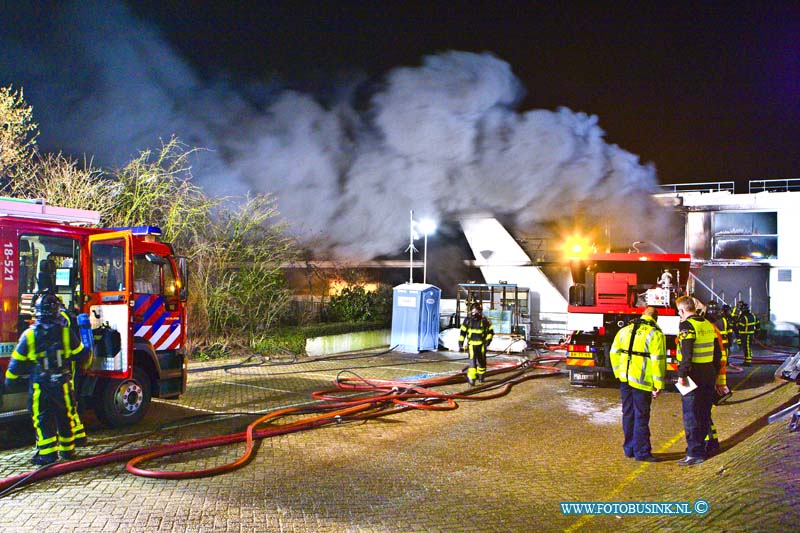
[787, 185]
[709, 186]
[306, 310]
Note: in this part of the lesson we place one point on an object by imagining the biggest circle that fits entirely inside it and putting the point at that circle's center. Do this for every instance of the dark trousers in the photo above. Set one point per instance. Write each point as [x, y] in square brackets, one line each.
[712, 438]
[636, 420]
[697, 418]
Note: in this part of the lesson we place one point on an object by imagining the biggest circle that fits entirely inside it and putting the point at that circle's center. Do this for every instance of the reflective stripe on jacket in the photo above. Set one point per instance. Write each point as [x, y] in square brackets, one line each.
[644, 364]
[477, 330]
[725, 329]
[701, 331]
[25, 357]
[747, 323]
[722, 375]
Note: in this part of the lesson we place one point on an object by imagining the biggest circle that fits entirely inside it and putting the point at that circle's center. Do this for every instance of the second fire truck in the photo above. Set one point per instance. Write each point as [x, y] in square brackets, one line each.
[611, 289]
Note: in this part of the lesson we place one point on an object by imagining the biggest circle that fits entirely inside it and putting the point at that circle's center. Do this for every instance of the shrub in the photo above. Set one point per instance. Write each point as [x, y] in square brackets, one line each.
[237, 289]
[237, 269]
[355, 304]
[18, 133]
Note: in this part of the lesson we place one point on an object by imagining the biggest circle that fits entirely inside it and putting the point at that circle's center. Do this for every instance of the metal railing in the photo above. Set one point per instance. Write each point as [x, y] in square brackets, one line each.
[787, 185]
[709, 186]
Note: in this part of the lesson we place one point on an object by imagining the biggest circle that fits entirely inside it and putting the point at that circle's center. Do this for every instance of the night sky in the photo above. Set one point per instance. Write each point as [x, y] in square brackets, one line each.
[705, 91]
[554, 117]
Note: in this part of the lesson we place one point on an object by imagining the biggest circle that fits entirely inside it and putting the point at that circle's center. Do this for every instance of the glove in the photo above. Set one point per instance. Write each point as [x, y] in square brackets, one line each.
[721, 393]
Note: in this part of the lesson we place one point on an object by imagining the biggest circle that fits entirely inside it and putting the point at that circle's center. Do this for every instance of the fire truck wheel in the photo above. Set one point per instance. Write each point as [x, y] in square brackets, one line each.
[124, 402]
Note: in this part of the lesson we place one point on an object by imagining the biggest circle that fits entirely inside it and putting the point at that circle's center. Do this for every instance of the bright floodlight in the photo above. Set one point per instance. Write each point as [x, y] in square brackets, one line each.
[577, 247]
[427, 226]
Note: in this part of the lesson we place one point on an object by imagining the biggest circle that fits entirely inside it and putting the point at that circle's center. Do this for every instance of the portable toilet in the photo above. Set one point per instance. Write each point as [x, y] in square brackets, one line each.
[415, 317]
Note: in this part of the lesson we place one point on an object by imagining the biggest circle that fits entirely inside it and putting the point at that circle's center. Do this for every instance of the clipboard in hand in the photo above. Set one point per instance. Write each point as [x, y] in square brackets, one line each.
[686, 389]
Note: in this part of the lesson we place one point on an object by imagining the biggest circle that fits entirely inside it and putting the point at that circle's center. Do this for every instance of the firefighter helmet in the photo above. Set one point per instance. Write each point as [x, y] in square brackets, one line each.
[712, 311]
[47, 308]
[475, 307]
[744, 306]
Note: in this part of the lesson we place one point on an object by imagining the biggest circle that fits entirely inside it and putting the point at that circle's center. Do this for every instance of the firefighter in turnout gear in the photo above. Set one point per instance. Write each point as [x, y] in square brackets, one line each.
[723, 327]
[699, 353]
[639, 360]
[477, 330]
[735, 313]
[746, 326]
[722, 320]
[47, 350]
[731, 327]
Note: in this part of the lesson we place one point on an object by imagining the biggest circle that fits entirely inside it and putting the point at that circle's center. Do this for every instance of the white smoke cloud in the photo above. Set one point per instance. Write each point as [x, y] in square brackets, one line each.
[443, 138]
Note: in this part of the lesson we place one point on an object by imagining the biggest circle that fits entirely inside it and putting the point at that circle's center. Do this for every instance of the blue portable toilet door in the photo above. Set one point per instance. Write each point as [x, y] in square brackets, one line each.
[405, 319]
[429, 319]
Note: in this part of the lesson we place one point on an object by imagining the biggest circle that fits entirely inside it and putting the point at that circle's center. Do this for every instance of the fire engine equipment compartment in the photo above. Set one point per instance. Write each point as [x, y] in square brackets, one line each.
[614, 288]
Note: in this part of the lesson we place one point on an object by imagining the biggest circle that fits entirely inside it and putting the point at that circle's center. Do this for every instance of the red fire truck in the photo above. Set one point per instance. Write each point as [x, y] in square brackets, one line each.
[132, 287]
[609, 291]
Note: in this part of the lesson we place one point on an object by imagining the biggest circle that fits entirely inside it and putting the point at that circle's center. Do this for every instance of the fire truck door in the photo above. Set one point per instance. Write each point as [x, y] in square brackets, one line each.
[110, 283]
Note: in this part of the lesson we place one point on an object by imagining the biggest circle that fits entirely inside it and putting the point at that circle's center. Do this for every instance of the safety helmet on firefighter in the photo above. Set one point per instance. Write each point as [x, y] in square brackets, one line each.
[744, 306]
[475, 308]
[726, 309]
[712, 310]
[47, 308]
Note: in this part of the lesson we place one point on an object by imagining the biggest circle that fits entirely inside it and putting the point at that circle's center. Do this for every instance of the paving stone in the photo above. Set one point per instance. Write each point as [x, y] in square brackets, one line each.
[497, 465]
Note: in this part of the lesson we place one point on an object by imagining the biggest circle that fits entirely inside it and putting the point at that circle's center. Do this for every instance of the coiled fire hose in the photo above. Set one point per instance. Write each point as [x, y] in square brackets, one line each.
[387, 397]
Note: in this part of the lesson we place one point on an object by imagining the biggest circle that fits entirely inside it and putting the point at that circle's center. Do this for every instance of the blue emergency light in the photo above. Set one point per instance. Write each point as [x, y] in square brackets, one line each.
[141, 231]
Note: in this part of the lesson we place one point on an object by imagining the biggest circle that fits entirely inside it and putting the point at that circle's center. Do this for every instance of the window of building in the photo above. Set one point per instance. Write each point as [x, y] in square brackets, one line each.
[745, 235]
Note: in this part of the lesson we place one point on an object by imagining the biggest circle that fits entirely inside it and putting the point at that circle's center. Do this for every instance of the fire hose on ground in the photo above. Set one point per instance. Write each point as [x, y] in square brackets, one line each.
[783, 350]
[381, 398]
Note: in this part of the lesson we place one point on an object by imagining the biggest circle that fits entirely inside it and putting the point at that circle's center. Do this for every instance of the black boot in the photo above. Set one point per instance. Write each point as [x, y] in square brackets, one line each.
[44, 460]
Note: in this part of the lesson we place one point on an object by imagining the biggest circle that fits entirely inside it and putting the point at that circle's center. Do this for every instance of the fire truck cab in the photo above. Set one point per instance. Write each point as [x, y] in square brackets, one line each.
[132, 287]
[609, 290]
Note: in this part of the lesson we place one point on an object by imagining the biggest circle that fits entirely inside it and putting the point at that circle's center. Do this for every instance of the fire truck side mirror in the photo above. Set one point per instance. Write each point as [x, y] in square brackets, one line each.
[154, 258]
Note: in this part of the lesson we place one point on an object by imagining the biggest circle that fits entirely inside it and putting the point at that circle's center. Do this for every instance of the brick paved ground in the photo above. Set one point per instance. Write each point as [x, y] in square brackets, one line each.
[496, 465]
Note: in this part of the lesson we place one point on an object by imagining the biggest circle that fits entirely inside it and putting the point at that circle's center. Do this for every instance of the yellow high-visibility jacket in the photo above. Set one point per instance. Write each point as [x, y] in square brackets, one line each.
[701, 331]
[643, 364]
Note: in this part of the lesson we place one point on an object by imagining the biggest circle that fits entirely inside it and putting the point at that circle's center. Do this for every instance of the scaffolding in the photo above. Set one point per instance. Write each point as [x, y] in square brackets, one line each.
[506, 305]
